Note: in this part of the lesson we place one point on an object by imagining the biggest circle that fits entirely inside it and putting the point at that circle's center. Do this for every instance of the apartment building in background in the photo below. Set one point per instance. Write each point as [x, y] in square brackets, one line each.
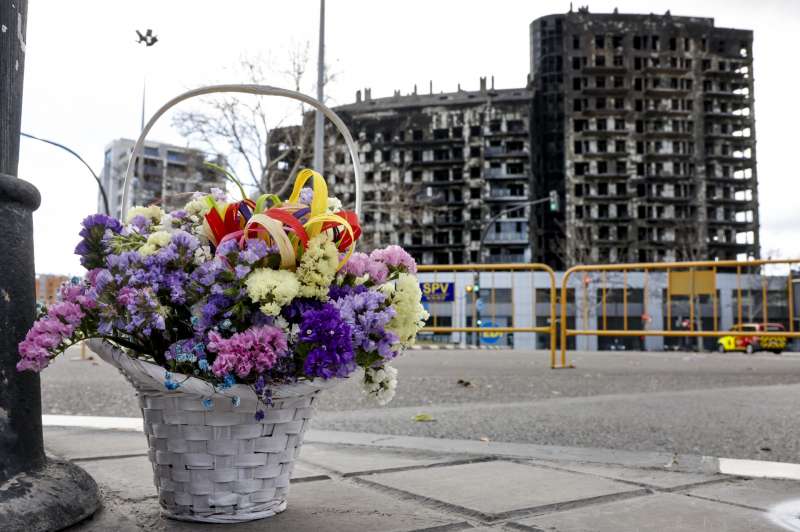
[645, 126]
[47, 286]
[167, 175]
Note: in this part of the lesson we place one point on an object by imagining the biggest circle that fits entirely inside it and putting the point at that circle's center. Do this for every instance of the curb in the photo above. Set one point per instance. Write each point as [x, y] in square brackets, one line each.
[522, 451]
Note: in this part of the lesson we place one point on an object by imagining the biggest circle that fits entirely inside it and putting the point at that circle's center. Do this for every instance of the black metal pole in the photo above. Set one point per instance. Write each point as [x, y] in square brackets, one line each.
[37, 493]
[81, 159]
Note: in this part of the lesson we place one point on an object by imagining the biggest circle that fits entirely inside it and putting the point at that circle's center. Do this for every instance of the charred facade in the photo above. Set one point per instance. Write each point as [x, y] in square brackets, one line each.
[645, 126]
[437, 168]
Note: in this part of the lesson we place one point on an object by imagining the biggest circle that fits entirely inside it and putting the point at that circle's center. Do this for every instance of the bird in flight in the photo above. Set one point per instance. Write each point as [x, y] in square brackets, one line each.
[148, 38]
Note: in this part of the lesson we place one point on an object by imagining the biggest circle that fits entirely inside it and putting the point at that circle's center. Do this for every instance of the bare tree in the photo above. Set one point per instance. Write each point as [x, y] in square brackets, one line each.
[241, 128]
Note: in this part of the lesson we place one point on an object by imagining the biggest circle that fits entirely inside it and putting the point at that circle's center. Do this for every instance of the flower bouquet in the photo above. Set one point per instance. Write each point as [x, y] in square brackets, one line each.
[229, 317]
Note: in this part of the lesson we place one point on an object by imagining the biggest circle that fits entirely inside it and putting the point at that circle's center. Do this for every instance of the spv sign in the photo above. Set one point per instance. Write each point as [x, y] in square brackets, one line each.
[437, 292]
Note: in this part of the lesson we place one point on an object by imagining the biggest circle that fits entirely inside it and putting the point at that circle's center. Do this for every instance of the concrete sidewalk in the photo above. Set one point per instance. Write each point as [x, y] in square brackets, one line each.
[356, 481]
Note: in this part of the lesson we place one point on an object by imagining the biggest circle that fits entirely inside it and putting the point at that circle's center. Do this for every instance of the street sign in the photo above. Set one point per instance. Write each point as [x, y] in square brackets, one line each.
[490, 337]
[437, 292]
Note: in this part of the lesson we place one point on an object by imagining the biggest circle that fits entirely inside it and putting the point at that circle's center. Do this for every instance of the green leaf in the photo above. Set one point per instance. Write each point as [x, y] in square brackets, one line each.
[424, 418]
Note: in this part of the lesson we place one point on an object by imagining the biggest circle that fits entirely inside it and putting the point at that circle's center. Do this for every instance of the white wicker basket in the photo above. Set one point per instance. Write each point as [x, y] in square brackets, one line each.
[214, 462]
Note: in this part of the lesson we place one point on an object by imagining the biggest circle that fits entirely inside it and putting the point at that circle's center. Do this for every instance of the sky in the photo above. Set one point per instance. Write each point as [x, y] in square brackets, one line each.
[84, 74]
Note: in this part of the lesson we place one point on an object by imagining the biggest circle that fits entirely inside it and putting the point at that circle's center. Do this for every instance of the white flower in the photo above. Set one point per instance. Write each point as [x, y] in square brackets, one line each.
[153, 213]
[334, 204]
[272, 288]
[202, 254]
[381, 383]
[406, 299]
[196, 208]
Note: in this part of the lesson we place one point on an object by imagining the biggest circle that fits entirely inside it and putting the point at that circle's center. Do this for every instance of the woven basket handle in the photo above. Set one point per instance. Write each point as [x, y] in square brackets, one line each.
[264, 90]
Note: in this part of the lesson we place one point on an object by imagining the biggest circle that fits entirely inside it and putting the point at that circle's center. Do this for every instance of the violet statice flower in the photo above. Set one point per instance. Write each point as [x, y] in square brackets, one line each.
[337, 292]
[97, 229]
[331, 354]
[306, 195]
[396, 257]
[256, 349]
[367, 317]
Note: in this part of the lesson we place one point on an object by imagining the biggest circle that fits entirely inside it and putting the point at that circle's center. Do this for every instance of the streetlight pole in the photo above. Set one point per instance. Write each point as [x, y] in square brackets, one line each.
[38, 493]
[319, 123]
[68, 150]
[476, 275]
[497, 216]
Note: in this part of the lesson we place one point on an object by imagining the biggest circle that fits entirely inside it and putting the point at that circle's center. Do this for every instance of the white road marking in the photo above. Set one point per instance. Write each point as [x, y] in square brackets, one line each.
[93, 422]
[786, 515]
[759, 468]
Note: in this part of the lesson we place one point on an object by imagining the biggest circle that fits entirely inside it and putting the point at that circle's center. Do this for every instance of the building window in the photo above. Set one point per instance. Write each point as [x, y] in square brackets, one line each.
[599, 41]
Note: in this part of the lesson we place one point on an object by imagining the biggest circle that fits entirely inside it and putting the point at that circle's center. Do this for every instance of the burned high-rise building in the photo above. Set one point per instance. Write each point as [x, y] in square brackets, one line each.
[644, 124]
[442, 173]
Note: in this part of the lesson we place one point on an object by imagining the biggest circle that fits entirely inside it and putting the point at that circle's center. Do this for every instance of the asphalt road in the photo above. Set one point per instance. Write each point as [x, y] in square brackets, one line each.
[729, 405]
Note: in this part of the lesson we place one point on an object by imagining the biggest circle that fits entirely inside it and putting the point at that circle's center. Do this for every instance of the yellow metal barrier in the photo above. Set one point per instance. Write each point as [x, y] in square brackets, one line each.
[550, 329]
[701, 279]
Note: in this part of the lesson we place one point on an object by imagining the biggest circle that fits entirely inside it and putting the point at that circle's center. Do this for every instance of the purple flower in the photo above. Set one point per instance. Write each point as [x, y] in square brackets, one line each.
[331, 353]
[367, 317]
[306, 195]
[338, 292]
[97, 229]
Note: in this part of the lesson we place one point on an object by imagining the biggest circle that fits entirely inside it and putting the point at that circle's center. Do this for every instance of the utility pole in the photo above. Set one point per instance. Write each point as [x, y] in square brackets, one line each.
[39, 494]
[319, 120]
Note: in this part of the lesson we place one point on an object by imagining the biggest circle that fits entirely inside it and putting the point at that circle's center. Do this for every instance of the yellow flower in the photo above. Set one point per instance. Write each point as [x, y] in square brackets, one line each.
[272, 288]
[153, 213]
[318, 267]
[156, 240]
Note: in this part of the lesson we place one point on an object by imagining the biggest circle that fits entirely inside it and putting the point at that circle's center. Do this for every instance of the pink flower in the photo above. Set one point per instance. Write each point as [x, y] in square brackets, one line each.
[47, 334]
[395, 256]
[357, 264]
[361, 263]
[257, 348]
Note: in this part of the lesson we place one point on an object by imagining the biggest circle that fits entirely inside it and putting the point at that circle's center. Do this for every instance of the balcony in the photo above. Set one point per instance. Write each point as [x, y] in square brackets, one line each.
[507, 238]
[506, 258]
[498, 173]
[507, 194]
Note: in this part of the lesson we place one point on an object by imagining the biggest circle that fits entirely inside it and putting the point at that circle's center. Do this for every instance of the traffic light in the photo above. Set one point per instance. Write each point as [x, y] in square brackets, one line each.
[554, 203]
[473, 288]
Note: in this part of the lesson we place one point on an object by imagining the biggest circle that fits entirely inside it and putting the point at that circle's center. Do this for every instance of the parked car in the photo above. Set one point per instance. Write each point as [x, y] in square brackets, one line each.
[751, 344]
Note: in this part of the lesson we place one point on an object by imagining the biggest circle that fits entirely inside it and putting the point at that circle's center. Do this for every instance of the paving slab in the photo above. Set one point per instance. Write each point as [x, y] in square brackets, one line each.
[75, 443]
[655, 478]
[755, 493]
[349, 461]
[323, 506]
[500, 489]
[661, 512]
[127, 478]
